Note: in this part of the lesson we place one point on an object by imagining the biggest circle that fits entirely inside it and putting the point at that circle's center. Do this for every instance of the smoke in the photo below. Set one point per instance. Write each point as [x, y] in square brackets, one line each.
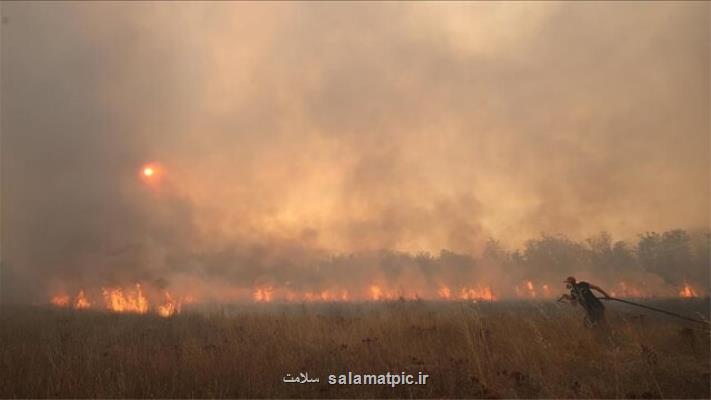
[324, 145]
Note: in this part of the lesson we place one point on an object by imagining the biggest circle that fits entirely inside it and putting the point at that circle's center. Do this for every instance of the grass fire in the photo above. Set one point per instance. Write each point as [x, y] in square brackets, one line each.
[355, 200]
[121, 301]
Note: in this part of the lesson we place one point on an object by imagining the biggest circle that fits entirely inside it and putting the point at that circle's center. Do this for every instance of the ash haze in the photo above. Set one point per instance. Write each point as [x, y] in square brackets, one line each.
[299, 139]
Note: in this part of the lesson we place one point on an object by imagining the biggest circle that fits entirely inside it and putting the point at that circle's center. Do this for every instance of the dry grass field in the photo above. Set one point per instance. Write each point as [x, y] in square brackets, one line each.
[470, 350]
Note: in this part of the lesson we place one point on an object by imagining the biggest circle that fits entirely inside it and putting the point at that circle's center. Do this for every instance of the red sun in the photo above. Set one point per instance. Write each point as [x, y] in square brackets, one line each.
[151, 173]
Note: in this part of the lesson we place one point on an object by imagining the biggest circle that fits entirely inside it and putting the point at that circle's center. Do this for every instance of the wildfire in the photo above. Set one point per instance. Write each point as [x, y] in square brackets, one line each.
[325, 295]
[122, 301]
[136, 299]
[527, 290]
[81, 302]
[376, 293]
[465, 293]
[169, 307]
[531, 290]
[477, 294]
[263, 295]
[687, 291]
[118, 301]
[60, 300]
[444, 293]
[373, 292]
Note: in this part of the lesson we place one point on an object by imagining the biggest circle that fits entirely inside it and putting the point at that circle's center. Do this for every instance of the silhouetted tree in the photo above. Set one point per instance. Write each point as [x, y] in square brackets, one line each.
[610, 257]
[666, 255]
[555, 255]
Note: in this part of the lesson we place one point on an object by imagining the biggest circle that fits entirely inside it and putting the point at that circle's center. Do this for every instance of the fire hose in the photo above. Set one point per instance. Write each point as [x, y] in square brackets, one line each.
[700, 321]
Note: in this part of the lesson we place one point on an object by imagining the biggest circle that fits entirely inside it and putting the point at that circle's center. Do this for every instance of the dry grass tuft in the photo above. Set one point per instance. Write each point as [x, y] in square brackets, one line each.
[473, 350]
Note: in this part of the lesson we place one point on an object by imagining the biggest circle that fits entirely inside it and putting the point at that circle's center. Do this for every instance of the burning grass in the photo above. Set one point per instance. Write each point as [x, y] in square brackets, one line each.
[482, 350]
[121, 300]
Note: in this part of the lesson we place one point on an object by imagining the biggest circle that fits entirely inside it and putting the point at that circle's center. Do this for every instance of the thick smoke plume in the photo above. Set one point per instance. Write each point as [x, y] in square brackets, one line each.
[339, 146]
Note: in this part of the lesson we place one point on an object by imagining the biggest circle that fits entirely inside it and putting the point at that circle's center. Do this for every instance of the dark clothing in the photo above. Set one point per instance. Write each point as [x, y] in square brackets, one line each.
[581, 293]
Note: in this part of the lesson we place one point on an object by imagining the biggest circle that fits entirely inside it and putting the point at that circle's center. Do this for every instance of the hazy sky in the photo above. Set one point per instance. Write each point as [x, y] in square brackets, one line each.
[340, 127]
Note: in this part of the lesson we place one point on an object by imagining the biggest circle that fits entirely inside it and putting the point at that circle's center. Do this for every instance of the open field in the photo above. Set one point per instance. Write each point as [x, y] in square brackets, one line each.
[479, 350]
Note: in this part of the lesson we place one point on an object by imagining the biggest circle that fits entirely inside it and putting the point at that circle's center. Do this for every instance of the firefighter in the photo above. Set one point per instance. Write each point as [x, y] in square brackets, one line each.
[581, 293]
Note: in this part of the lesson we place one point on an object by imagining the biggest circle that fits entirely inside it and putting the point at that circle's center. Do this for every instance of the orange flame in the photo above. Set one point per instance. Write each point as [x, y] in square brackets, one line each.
[263, 295]
[163, 303]
[124, 301]
[324, 295]
[60, 300]
[81, 302]
[687, 291]
[480, 293]
[118, 301]
[444, 293]
[477, 294]
[376, 293]
[527, 290]
[169, 307]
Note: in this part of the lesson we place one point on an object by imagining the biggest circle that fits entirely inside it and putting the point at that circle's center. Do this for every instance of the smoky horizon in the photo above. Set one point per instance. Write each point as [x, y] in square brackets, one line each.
[352, 151]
